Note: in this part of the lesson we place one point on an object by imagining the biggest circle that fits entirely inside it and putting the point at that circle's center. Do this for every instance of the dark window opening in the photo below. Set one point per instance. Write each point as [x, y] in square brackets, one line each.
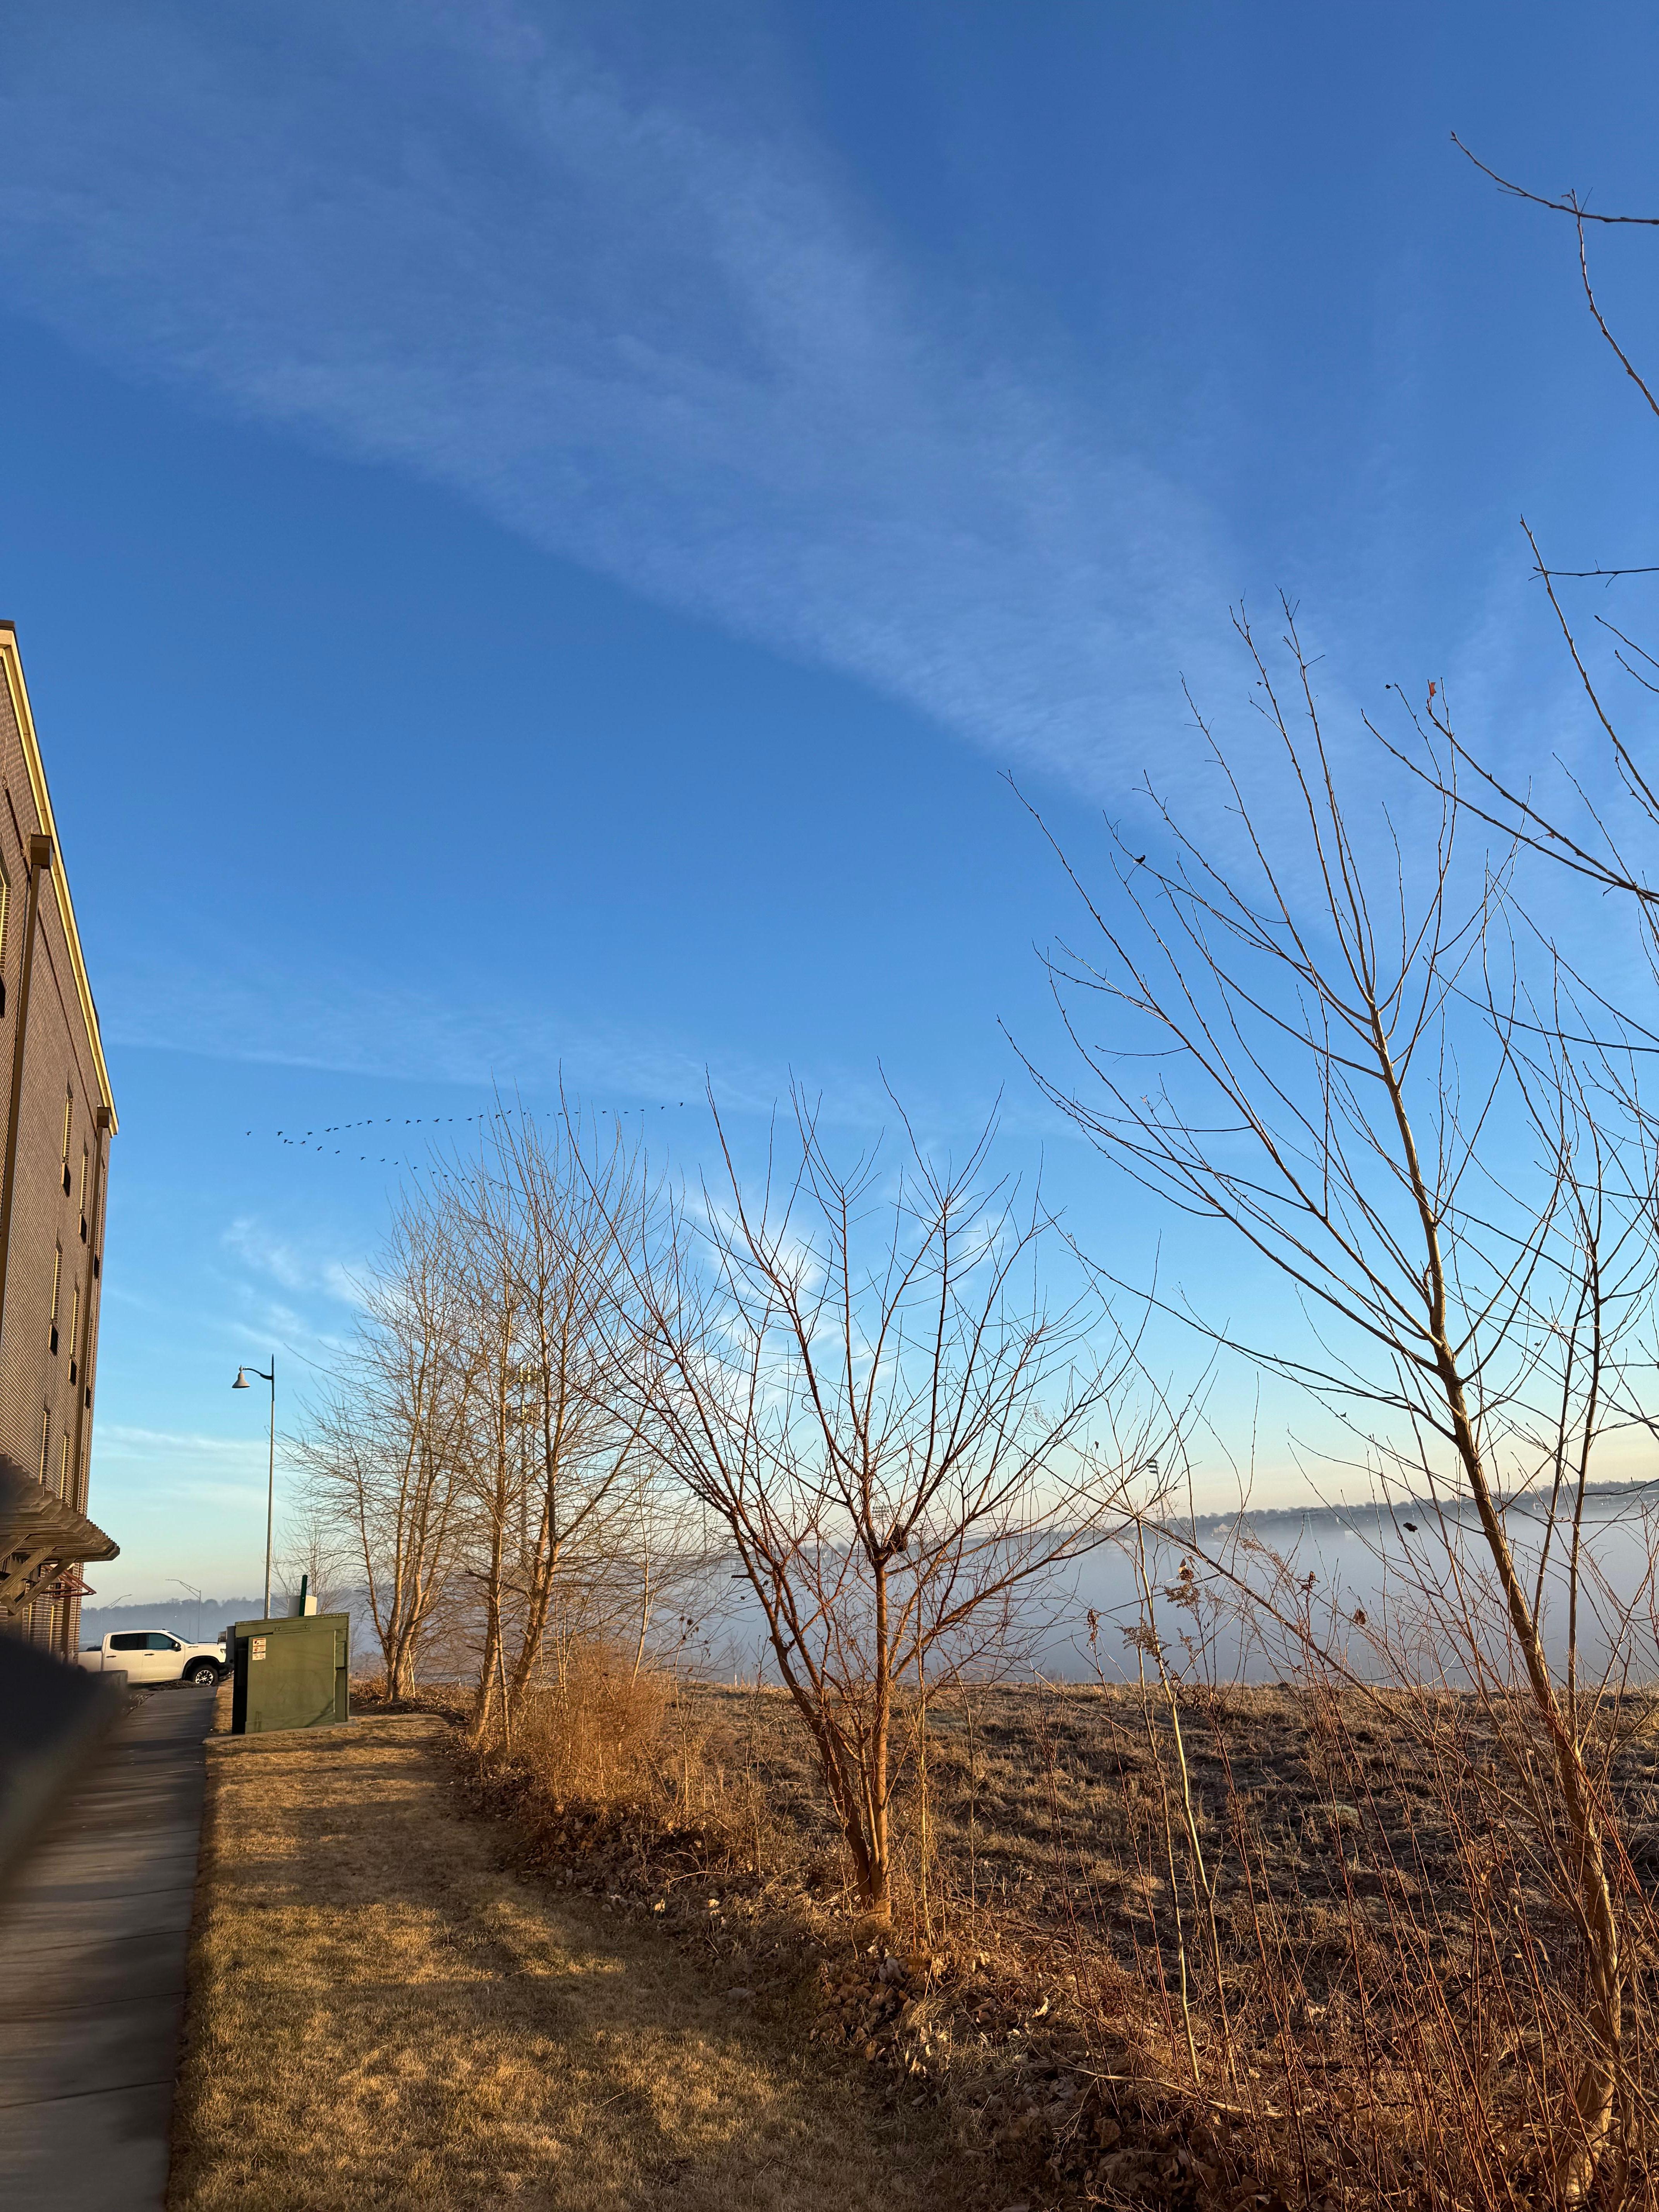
[75, 1372]
[54, 1336]
[96, 1266]
[67, 1182]
[83, 1228]
[88, 1394]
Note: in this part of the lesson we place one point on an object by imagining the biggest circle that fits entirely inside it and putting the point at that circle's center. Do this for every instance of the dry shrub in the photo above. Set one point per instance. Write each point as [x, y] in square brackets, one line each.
[597, 1731]
[645, 1780]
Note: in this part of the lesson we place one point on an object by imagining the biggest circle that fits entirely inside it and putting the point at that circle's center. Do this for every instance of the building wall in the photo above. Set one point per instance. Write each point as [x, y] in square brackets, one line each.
[48, 1344]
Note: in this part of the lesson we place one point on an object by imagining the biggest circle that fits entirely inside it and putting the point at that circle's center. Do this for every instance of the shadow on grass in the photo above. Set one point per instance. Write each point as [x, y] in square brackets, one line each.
[380, 2016]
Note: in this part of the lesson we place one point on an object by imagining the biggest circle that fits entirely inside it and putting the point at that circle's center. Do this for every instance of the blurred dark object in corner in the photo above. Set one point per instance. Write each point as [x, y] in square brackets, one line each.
[52, 1719]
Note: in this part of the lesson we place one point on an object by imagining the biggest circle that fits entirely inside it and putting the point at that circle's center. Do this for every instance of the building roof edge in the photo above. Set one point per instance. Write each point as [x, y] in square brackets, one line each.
[11, 665]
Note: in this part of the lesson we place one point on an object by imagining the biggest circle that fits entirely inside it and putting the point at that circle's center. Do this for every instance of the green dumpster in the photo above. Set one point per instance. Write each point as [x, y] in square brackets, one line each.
[291, 1674]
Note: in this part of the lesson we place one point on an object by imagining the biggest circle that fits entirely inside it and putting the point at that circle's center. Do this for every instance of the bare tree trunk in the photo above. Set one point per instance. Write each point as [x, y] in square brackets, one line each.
[1588, 2125]
[879, 1798]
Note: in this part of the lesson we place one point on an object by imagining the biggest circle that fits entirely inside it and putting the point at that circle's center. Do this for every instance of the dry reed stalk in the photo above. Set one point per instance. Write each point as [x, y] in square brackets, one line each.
[1450, 2014]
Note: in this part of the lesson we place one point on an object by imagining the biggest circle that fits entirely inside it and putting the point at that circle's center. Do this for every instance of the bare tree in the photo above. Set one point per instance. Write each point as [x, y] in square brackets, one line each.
[314, 1558]
[856, 1377]
[484, 1233]
[581, 1219]
[383, 1451]
[1314, 1047]
[1597, 849]
[545, 1223]
[641, 1553]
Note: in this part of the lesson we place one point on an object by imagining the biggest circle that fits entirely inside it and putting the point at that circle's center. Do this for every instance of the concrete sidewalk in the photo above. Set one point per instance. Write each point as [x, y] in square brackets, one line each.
[94, 1936]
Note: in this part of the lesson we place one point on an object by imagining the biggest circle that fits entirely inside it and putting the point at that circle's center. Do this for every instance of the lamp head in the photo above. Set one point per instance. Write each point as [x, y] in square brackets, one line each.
[241, 1381]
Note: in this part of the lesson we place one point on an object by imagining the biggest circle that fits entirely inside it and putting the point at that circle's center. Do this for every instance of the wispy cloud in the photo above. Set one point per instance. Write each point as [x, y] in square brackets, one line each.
[347, 1024]
[360, 1026]
[622, 314]
[119, 1441]
[280, 1258]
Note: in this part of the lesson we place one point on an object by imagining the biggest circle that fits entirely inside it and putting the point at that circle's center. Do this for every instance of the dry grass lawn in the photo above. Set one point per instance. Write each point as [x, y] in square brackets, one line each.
[380, 2016]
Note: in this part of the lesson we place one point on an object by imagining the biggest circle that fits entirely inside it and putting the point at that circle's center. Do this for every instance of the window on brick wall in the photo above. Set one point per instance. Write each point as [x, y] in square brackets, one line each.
[57, 1287]
[63, 1469]
[74, 1334]
[5, 915]
[84, 1157]
[68, 1127]
[46, 1442]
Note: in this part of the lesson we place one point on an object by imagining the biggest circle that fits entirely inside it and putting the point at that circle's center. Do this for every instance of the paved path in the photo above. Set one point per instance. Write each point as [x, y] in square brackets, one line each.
[94, 1937]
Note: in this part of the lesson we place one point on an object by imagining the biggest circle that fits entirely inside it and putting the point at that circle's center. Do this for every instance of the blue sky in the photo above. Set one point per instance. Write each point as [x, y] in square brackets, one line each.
[536, 533]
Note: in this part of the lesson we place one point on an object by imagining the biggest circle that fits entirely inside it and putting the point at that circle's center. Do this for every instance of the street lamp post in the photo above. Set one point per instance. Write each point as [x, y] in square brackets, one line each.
[194, 1592]
[242, 1383]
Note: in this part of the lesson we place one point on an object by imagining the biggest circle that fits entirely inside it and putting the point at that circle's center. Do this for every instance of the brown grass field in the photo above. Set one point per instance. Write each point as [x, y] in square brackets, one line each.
[380, 2014]
[1374, 1996]
[615, 1963]
[1045, 1817]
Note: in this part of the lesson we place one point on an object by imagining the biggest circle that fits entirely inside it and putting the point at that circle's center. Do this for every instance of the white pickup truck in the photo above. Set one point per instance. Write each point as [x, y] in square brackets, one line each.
[150, 1654]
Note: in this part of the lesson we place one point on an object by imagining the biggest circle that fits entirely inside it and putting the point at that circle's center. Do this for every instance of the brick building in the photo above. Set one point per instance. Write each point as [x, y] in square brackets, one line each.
[57, 1117]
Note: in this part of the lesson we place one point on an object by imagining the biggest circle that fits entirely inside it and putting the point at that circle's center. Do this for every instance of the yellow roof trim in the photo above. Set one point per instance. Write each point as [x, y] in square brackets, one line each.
[12, 668]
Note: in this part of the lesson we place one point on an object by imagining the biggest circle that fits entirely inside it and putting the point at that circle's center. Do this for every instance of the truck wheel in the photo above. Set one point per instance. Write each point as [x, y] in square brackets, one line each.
[202, 1672]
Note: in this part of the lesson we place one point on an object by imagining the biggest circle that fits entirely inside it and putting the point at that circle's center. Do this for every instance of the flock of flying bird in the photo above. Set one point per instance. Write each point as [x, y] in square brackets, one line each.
[312, 1140]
